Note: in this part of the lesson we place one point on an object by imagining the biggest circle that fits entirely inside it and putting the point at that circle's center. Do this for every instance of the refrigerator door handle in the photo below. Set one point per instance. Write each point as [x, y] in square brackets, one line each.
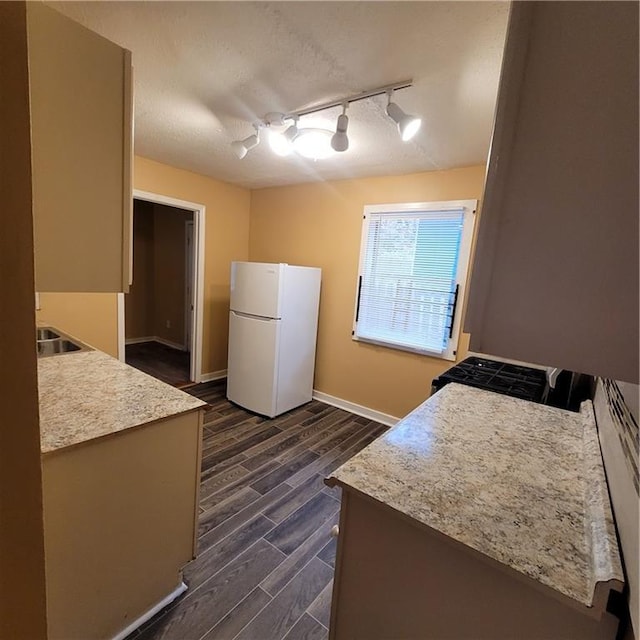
[253, 317]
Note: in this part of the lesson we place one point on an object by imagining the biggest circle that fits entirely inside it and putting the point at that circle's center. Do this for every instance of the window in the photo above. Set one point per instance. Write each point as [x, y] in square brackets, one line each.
[413, 267]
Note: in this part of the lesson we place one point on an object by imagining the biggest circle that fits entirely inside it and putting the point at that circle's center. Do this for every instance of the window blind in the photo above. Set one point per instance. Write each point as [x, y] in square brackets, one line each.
[407, 289]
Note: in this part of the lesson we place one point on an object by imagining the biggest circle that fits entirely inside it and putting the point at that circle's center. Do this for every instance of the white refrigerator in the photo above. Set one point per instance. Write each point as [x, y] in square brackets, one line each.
[273, 323]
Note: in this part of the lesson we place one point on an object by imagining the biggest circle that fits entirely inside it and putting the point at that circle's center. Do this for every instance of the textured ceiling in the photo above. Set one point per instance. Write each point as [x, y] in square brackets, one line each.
[204, 71]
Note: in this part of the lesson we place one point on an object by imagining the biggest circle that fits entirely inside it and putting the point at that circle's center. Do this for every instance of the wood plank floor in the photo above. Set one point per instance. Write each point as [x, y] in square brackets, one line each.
[160, 361]
[265, 561]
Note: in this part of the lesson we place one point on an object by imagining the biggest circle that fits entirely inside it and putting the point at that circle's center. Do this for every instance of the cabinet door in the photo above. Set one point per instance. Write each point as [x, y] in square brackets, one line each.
[81, 118]
[555, 277]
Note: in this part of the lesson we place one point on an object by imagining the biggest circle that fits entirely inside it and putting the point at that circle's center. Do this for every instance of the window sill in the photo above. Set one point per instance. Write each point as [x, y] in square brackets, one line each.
[446, 355]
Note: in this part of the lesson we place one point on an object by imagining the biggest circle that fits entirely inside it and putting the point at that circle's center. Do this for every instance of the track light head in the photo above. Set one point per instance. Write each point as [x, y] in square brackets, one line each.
[407, 125]
[282, 143]
[242, 147]
[340, 141]
[291, 132]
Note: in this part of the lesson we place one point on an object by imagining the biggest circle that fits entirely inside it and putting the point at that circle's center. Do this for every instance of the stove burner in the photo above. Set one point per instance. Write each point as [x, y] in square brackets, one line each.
[525, 383]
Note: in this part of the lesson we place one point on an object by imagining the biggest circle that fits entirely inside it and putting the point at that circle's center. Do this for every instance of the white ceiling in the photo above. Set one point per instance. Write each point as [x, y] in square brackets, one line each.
[204, 71]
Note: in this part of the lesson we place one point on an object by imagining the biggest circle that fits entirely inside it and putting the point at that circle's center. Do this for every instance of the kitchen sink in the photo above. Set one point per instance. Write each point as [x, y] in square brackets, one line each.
[46, 334]
[52, 342]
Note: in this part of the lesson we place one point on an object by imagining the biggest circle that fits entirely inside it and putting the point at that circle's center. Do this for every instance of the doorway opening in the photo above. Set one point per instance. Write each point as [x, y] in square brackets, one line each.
[160, 319]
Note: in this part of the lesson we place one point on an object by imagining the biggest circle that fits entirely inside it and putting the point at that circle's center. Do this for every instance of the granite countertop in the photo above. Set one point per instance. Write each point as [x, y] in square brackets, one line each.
[520, 482]
[88, 394]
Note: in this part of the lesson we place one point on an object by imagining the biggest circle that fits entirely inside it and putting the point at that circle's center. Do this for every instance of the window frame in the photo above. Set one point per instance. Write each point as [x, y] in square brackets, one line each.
[470, 208]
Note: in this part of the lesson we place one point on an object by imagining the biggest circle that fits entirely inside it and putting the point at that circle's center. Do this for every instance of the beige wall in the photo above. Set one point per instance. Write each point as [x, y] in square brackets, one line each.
[22, 567]
[90, 317]
[320, 224]
[226, 239]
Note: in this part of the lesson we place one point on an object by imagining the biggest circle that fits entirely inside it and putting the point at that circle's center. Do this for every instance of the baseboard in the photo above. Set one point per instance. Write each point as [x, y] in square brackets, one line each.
[167, 343]
[214, 375]
[358, 409]
[181, 588]
[139, 340]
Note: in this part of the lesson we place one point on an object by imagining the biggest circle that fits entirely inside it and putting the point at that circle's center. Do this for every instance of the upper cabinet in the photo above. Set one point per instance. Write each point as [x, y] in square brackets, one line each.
[555, 277]
[81, 138]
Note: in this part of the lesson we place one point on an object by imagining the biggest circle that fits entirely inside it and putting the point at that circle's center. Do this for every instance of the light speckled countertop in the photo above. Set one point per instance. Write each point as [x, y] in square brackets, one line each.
[519, 482]
[87, 395]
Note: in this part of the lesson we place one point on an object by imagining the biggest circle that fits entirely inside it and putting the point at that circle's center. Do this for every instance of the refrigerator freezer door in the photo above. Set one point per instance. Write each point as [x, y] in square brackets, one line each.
[252, 368]
[256, 288]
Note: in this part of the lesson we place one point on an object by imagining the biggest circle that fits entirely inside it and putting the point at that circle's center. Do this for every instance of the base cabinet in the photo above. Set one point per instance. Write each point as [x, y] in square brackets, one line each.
[120, 523]
[394, 579]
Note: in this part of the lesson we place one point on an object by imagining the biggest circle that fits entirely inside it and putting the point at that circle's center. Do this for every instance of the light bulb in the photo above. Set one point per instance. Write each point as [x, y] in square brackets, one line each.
[313, 143]
[279, 144]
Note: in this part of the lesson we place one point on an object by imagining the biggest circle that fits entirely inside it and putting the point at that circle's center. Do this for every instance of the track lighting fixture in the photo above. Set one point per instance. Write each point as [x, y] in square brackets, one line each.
[407, 125]
[340, 141]
[316, 142]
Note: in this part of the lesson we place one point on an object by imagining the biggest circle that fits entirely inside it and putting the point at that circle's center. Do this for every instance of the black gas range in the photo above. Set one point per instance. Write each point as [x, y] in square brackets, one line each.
[525, 383]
